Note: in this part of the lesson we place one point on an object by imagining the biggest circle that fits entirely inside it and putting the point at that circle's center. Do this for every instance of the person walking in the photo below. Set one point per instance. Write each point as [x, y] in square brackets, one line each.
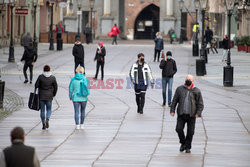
[19, 154]
[169, 69]
[59, 30]
[209, 36]
[171, 34]
[190, 106]
[140, 75]
[100, 59]
[78, 53]
[47, 89]
[225, 48]
[29, 57]
[213, 46]
[27, 39]
[78, 93]
[115, 31]
[159, 46]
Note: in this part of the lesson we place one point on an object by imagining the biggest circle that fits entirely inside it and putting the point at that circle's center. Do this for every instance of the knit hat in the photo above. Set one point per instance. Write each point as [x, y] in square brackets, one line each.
[78, 38]
[169, 53]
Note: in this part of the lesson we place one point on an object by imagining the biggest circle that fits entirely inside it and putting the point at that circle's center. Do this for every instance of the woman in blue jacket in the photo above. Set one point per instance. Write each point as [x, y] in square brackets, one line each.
[78, 93]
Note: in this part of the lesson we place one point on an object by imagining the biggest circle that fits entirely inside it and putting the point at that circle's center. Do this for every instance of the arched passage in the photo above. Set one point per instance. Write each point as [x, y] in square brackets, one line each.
[147, 23]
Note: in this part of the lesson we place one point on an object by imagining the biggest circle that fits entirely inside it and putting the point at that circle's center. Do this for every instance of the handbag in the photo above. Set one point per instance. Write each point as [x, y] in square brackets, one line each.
[34, 103]
[162, 54]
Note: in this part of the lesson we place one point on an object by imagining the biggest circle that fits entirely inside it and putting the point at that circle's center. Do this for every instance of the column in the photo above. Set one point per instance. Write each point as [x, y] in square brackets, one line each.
[169, 8]
[69, 8]
[106, 10]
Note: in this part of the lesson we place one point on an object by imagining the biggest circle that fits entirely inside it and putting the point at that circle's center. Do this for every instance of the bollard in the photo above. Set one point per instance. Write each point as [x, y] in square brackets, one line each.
[2, 84]
[200, 67]
[228, 76]
[59, 44]
[195, 49]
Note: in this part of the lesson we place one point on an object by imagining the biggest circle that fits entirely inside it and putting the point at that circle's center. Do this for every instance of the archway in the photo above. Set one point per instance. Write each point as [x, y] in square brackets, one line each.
[147, 23]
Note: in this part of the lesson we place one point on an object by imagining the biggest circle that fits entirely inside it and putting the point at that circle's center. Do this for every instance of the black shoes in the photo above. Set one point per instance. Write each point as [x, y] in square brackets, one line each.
[43, 127]
[169, 104]
[30, 82]
[188, 150]
[164, 103]
[47, 123]
[26, 81]
[182, 148]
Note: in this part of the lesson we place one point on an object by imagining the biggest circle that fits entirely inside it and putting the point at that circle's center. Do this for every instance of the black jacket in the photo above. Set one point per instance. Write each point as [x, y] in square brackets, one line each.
[159, 44]
[209, 34]
[47, 87]
[19, 155]
[78, 53]
[100, 57]
[225, 43]
[168, 68]
[195, 99]
[29, 55]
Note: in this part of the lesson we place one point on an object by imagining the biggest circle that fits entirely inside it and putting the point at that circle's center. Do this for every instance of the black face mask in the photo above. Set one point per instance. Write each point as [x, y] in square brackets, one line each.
[142, 60]
[188, 82]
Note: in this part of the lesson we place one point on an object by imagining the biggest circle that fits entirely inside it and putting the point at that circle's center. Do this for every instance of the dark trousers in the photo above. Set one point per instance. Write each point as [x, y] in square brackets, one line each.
[140, 92]
[25, 67]
[214, 49]
[157, 52]
[98, 64]
[81, 64]
[58, 36]
[114, 40]
[181, 121]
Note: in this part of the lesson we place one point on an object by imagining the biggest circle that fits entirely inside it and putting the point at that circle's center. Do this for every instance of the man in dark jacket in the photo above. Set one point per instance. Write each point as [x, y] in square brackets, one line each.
[208, 35]
[169, 69]
[18, 154]
[47, 88]
[159, 46]
[78, 53]
[27, 39]
[190, 106]
[29, 58]
[225, 48]
[100, 59]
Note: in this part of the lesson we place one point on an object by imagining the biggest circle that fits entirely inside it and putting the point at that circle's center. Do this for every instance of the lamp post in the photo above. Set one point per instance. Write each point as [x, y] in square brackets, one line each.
[34, 40]
[51, 40]
[203, 52]
[228, 70]
[181, 5]
[11, 49]
[79, 5]
[196, 42]
[91, 5]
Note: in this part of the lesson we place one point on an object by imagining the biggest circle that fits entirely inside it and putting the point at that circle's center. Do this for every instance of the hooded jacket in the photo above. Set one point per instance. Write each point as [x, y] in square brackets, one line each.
[29, 55]
[47, 86]
[195, 100]
[75, 87]
[78, 53]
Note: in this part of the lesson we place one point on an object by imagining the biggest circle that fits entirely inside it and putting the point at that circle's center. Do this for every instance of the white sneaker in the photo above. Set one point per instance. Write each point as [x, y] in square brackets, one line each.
[77, 127]
[82, 126]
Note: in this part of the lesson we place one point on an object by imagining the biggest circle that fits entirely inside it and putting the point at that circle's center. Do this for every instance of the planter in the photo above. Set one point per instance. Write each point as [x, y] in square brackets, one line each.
[241, 48]
[248, 49]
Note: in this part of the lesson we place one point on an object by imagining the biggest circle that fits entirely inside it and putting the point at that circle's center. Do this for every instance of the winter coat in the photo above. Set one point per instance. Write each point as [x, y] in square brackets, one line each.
[26, 40]
[159, 44]
[75, 87]
[100, 57]
[147, 74]
[209, 35]
[115, 31]
[225, 43]
[78, 53]
[47, 86]
[195, 100]
[168, 68]
[29, 55]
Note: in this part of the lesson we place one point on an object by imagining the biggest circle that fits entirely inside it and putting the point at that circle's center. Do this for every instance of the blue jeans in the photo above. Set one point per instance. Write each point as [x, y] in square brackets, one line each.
[165, 82]
[48, 105]
[77, 106]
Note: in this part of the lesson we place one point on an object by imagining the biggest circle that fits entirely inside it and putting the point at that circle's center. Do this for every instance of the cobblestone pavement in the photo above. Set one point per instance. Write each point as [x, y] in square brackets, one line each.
[115, 135]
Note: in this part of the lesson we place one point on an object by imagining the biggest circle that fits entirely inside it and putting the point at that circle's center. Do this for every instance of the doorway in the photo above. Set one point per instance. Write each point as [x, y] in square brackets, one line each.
[147, 23]
[85, 20]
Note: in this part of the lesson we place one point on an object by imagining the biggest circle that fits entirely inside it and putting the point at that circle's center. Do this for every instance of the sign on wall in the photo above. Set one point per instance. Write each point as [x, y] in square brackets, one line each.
[21, 12]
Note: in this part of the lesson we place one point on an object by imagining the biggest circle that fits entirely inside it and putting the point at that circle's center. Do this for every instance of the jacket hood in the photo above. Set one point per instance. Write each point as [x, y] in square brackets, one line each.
[78, 44]
[79, 76]
[47, 74]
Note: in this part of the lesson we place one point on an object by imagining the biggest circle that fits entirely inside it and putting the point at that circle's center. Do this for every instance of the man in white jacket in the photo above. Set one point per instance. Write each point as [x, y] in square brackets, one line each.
[140, 75]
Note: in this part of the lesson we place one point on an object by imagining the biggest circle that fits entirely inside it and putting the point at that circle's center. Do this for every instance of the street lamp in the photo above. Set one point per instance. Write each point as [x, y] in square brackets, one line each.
[181, 5]
[203, 53]
[11, 49]
[196, 44]
[51, 40]
[34, 40]
[91, 5]
[228, 70]
[79, 5]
